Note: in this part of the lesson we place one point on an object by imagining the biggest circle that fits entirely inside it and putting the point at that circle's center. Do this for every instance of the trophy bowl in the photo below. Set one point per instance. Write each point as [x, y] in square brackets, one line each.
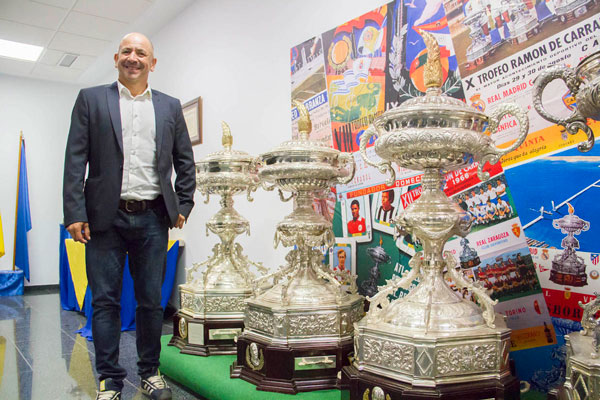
[584, 83]
[432, 340]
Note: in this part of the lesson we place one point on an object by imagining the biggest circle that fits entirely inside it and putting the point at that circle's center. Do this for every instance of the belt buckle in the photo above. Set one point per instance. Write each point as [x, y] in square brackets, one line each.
[127, 203]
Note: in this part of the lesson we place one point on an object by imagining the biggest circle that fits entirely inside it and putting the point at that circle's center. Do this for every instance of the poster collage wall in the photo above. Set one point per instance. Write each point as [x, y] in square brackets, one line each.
[491, 51]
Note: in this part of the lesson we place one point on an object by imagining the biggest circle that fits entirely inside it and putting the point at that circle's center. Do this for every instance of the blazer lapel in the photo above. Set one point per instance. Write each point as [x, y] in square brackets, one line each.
[112, 95]
[160, 118]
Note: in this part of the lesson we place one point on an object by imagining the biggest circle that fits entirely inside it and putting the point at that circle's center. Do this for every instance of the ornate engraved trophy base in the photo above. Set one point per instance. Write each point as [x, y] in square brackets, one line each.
[296, 349]
[433, 359]
[366, 386]
[583, 370]
[204, 337]
[293, 367]
[209, 321]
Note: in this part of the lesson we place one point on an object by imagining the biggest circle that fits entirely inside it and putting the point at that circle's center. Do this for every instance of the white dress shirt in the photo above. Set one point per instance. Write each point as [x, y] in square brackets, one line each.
[140, 172]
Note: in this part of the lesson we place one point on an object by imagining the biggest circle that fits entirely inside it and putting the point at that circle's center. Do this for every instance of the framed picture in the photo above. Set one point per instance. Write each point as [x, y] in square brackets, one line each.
[192, 113]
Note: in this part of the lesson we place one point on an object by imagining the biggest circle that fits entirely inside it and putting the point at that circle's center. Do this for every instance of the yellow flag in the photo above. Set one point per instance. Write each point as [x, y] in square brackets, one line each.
[76, 257]
[1, 238]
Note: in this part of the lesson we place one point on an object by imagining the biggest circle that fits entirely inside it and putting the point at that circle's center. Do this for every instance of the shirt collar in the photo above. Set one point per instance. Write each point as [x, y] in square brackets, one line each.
[123, 90]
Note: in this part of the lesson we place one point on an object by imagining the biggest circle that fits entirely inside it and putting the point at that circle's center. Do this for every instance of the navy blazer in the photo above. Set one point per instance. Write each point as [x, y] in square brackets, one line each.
[96, 140]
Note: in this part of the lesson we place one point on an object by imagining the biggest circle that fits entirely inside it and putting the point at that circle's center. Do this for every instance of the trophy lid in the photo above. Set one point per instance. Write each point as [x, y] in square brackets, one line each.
[301, 149]
[227, 155]
[435, 109]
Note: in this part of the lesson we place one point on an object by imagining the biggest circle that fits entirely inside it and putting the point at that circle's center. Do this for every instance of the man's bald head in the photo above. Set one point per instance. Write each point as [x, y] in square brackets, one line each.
[137, 37]
[135, 60]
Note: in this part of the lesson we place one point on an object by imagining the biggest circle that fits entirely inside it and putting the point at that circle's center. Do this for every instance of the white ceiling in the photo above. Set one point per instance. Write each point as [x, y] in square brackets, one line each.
[89, 28]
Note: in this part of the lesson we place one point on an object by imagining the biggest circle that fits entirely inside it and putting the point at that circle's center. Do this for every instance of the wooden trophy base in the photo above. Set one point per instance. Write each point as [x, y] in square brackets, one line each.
[205, 337]
[362, 387]
[290, 368]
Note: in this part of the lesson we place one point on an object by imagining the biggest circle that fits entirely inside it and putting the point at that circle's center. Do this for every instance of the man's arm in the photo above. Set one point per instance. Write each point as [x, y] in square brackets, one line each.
[183, 162]
[76, 158]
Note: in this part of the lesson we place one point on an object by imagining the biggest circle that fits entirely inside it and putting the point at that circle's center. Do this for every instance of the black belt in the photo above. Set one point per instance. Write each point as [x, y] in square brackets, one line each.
[132, 206]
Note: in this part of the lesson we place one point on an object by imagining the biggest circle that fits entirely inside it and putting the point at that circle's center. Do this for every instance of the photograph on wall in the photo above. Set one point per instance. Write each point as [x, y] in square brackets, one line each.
[407, 55]
[488, 31]
[356, 218]
[508, 273]
[488, 203]
[385, 209]
[342, 261]
[355, 68]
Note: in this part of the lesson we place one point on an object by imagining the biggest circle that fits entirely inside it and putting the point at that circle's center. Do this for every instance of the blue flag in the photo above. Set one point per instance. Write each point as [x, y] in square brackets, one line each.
[23, 222]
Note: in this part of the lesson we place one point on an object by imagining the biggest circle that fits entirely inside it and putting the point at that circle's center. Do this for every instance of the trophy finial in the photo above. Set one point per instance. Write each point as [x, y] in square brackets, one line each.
[227, 139]
[433, 67]
[304, 123]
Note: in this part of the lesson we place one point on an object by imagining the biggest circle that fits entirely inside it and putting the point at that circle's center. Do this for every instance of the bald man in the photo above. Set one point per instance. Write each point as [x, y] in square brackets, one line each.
[128, 137]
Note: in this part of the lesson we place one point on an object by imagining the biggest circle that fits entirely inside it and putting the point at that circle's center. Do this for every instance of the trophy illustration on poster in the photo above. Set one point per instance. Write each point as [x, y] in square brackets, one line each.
[212, 302]
[568, 268]
[432, 343]
[468, 257]
[369, 286]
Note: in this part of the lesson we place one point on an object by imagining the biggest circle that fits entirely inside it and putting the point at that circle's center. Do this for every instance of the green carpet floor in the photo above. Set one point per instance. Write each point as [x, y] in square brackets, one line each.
[209, 377]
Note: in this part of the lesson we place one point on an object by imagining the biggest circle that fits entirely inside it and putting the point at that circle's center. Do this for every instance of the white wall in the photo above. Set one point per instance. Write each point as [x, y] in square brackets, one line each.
[236, 55]
[42, 111]
[233, 53]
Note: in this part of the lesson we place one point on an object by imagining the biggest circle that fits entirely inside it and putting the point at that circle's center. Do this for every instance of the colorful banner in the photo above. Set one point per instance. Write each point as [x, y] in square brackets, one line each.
[491, 53]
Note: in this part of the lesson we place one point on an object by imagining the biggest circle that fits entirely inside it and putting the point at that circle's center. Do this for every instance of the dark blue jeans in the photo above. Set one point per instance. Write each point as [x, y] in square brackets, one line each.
[144, 236]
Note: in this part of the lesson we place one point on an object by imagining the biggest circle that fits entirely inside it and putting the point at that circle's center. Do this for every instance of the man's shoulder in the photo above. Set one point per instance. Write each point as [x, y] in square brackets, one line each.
[165, 96]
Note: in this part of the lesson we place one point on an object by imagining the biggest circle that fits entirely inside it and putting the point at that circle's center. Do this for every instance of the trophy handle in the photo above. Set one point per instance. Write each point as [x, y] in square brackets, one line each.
[384, 166]
[568, 76]
[492, 154]
[347, 159]
[574, 122]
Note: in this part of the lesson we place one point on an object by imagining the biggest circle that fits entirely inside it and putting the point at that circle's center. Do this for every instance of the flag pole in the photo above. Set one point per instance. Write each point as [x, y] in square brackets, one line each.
[17, 199]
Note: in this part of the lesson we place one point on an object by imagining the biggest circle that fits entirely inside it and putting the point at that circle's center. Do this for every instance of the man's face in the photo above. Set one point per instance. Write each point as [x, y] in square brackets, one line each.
[342, 258]
[135, 59]
[354, 208]
[385, 201]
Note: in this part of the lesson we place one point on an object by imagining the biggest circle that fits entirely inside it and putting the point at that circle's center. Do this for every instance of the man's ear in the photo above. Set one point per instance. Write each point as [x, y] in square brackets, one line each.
[153, 65]
[116, 57]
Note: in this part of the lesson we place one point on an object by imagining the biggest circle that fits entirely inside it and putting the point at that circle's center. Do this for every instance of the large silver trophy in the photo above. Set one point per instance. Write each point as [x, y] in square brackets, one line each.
[432, 343]
[583, 358]
[213, 302]
[584, 83]
[298, 334]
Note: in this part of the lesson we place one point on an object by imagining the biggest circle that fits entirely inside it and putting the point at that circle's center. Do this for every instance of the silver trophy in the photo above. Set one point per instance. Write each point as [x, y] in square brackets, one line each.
[432, 342]
[583, 362]
[213, 302]
[298, 334]
[584, 83]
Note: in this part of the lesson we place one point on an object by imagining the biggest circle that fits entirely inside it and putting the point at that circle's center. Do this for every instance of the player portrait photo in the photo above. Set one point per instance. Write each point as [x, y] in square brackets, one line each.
[356, 216]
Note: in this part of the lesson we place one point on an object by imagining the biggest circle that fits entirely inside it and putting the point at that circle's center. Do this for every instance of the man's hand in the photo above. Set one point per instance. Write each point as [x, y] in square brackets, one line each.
[80, 231]
[180, 221]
